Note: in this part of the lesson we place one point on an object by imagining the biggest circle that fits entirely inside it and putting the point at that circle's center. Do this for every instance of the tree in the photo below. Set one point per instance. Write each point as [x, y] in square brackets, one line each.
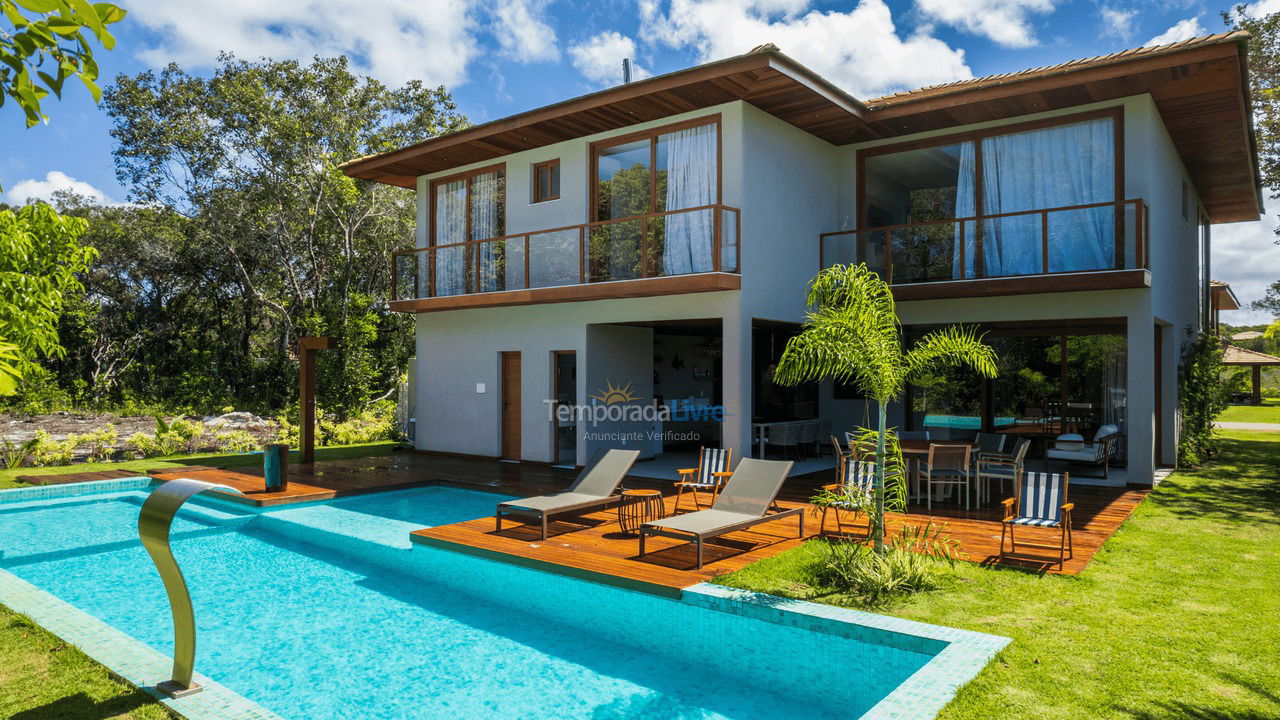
[40, 259]
[278, 243]
[42, 44]
[1264, 87]
[851, 334]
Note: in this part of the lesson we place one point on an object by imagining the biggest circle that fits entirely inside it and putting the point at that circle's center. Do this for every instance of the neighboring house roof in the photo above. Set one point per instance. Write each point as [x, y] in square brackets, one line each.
[1234, 355]
[1247, 335]
[1200, 87]
[1223, 296]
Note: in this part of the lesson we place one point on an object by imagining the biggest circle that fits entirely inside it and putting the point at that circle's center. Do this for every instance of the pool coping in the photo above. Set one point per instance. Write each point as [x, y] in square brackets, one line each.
[958, 655]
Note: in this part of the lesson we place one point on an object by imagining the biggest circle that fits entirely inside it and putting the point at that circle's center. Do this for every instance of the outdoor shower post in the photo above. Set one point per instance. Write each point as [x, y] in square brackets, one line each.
[154, 523]
[307, 347]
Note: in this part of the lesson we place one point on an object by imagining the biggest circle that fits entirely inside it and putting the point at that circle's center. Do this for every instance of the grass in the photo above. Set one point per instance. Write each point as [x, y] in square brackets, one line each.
[1267, 412]
[8, 478]
[42, 678]
[1175, 617]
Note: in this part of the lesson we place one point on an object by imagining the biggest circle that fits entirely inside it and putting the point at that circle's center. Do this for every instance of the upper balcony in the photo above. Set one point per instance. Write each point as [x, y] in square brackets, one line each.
[1096, 246]
[677, 251]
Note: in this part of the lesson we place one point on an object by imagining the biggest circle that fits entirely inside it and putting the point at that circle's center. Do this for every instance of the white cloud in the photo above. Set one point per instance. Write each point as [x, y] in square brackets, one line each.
[860, 50]
[1262, 8]
[433, 41]
[1117, 22]
[31, 189]
[1182, 30]
[1005, 22]
[1246, 256]
[522, 32]
[599, 58]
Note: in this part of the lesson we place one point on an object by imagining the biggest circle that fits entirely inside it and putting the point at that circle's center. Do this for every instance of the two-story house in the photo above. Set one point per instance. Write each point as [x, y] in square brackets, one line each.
[583, 266]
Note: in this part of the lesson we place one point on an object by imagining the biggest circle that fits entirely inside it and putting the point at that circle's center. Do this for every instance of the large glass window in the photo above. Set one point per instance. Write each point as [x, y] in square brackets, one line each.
[1046, 385]
[468, 211]
[643, 178]
[1033, 182]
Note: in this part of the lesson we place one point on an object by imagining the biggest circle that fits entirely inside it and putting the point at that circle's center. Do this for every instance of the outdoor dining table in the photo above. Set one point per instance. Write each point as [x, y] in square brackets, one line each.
[760, 433]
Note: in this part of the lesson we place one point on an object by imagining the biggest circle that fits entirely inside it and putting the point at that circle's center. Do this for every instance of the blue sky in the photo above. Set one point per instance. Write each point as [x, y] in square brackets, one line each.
[503, 56]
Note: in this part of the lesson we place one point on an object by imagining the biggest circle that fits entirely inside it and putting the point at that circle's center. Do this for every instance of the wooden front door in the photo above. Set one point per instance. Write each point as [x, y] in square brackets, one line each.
[510, 406]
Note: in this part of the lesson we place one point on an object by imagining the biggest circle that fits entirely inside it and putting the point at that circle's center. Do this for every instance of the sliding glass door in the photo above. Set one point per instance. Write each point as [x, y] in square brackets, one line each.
[993, 204]
[468, 210]
[639, 180]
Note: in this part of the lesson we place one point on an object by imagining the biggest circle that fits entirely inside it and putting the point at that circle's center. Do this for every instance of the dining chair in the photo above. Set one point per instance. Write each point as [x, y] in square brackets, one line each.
[948, 466]
[784, 436]
[989, 443]
[1002, 467]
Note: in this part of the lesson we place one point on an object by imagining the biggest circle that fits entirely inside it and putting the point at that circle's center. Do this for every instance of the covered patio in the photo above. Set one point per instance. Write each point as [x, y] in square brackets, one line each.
[1240, 357]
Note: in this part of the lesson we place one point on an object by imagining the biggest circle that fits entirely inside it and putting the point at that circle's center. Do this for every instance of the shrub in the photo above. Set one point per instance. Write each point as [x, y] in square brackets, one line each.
[48, 451]
[101, 442]
[909, 563]
[376, 423]
[1203, 397]
[237, 441]
[14, 454]
[170, 438]
[287, 432]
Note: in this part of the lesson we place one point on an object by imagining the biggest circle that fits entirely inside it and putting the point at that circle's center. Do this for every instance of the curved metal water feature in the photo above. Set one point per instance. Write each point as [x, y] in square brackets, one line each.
[153, 527]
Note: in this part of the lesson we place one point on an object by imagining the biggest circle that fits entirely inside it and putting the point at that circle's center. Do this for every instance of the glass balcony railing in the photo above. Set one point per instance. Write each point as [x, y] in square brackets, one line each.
[678, 242]
[1076, 238]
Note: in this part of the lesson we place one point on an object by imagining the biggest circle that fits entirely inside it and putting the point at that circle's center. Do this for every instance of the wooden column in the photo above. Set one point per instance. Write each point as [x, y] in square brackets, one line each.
[307, 348]
[1257, 384]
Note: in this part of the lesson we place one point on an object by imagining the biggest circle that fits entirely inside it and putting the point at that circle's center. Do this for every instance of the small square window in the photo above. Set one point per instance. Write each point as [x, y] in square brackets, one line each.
[546, 181]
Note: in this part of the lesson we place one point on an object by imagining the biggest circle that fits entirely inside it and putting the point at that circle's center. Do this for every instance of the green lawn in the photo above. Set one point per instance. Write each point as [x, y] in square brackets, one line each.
[1175, 617]
[222, 460]
[1267, 412]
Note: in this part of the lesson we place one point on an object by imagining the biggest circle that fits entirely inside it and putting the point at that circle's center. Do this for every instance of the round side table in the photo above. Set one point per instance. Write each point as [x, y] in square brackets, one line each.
[637, 507]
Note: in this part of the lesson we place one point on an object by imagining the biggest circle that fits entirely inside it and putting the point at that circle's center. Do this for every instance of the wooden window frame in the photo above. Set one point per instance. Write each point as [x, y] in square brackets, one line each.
[533, 186]
[1115, 113]
[466, 175]
[593, 189]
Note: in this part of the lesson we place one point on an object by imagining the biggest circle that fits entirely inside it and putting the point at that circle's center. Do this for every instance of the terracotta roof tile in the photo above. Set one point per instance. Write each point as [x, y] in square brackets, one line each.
[1240, 356]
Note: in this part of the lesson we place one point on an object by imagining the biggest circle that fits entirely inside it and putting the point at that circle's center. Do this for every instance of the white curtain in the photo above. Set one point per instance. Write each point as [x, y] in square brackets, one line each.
[691, 182]
[451, 227]
[1053, 167]
[966, 193]
[487, 222]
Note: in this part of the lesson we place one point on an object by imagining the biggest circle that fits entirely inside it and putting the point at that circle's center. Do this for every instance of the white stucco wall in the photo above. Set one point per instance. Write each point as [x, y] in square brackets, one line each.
[790, 187]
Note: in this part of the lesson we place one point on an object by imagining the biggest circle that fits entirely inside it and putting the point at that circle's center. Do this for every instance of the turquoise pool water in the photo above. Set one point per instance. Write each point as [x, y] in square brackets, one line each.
[326, 612]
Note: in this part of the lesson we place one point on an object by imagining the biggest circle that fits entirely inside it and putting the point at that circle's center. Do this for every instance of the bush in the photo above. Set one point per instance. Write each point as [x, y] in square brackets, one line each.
[1204, 396]
[47, 451]
[376, 423]
[170, 438]
[101, 442]
[14, 454]
[237, 441]
[911, 562]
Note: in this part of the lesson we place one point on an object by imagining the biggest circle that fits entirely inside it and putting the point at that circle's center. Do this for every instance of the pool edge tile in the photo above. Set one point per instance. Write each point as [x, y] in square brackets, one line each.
[122, 656]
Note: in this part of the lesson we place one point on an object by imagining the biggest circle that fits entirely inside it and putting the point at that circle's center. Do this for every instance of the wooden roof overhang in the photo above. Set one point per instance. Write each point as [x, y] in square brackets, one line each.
[1199, 86]
[765, 78]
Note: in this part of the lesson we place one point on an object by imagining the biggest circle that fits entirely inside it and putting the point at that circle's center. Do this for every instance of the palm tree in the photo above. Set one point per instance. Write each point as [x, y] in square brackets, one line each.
[852, 334]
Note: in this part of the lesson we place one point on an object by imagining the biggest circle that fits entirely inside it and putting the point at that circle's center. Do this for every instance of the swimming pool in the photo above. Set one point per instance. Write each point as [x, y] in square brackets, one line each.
[327, 611]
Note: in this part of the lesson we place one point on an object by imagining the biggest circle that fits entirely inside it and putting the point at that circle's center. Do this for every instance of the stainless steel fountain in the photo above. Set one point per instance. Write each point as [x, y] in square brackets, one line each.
[154, 523]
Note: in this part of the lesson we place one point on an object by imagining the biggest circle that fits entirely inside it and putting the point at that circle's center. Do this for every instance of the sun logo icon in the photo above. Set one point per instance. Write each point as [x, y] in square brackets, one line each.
[613, 394]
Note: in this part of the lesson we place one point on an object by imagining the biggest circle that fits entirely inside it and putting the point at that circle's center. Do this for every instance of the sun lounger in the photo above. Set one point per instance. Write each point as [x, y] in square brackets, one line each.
[595, 488]
[744, 501]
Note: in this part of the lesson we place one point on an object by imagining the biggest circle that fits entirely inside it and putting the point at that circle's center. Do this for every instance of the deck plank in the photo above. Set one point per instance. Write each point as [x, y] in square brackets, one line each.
[595, 546]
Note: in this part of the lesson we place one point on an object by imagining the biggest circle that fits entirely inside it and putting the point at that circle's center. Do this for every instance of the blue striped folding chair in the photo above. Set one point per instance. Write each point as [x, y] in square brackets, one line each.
[711, 474]
[1041, 502]
[857, 481]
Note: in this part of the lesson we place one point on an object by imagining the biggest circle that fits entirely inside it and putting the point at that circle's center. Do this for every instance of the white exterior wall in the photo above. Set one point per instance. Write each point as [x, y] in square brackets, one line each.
[789, 187]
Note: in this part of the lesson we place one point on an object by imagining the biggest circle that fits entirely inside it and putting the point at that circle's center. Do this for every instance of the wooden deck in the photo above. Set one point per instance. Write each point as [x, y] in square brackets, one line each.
[594, 546]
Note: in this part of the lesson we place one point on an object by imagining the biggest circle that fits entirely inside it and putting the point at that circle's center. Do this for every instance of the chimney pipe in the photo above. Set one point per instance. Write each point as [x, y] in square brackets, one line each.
[626, 70]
